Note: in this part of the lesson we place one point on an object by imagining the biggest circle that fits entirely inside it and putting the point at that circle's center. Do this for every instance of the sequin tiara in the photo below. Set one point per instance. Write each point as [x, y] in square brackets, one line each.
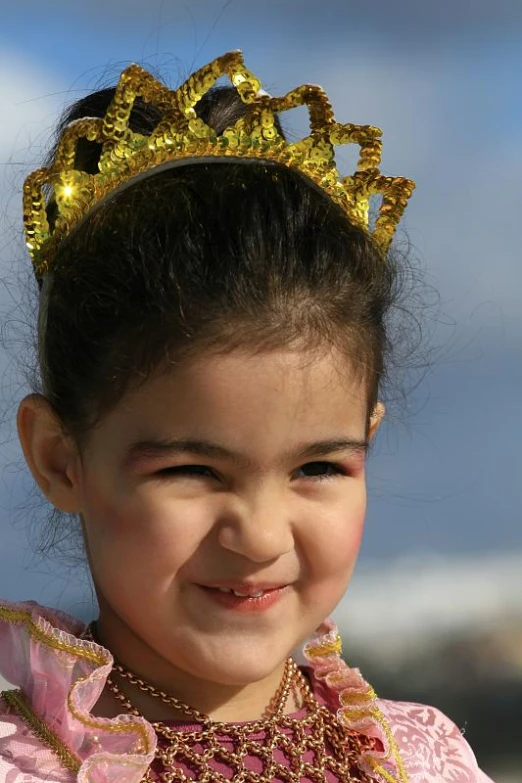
[182, 137]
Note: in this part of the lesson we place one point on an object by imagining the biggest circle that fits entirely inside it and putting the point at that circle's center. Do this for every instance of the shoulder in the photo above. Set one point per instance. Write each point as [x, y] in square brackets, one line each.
[432, 747]
[23, 758]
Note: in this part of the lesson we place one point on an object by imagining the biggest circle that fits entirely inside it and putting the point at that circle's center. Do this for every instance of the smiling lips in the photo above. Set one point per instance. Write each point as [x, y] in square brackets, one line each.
[245, 597]
[239, 594]
[245, 589]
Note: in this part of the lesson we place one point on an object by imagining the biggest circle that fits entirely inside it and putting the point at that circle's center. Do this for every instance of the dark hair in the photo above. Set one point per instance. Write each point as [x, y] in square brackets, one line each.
[206, 256]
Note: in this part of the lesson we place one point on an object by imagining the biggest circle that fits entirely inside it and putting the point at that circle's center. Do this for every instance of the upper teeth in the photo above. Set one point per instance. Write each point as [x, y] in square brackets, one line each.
[257, 594]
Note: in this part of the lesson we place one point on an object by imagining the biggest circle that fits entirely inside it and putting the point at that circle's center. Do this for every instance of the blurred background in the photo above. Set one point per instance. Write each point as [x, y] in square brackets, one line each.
[434, 611]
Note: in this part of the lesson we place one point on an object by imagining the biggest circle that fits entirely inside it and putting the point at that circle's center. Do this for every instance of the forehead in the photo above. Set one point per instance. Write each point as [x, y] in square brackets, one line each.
[246, 398]
[305, 368]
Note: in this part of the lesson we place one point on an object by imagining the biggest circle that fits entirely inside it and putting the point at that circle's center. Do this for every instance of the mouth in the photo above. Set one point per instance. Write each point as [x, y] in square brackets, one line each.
[244, 590]
[252, 598]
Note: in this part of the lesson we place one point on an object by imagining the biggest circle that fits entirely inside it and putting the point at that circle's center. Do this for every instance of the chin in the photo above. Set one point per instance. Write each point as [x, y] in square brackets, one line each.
[243, 674]
[237, 663]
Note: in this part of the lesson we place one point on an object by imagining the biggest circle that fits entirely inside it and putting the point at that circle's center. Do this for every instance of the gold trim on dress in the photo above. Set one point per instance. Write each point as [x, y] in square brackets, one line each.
[363, 705]
[39, 635]
[19, 703]
[82, 650]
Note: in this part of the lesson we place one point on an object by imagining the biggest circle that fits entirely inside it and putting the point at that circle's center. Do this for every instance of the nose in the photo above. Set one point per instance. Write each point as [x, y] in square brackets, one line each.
[259, 529]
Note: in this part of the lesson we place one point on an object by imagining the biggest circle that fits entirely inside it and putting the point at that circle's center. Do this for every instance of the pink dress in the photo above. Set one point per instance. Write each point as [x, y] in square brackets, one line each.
[48, 733]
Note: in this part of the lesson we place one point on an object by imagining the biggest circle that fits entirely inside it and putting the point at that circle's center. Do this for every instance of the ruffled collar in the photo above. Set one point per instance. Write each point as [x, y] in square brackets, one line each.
[61, 677]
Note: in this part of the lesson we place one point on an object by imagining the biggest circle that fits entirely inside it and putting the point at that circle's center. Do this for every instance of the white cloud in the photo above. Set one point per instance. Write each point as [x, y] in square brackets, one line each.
[30, 100]
[416, 600]
[29, 96]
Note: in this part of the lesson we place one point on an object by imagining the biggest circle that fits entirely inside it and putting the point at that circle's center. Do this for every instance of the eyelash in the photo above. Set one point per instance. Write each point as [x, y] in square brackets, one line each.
[337, 469]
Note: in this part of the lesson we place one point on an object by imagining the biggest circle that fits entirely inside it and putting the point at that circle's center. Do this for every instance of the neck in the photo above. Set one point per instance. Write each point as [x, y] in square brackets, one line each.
[219, 701]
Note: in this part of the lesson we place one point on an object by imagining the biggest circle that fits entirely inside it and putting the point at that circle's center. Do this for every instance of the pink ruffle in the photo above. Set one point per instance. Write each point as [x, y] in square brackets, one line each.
[355, 700]
[62, 677]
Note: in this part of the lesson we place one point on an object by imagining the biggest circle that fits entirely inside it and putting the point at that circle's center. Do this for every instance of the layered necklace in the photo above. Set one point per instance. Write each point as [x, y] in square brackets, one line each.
[278, 747]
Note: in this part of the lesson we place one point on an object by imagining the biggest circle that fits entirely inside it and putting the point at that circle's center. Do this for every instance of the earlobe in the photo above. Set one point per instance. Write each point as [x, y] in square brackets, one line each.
[50, 454]
[376, 418]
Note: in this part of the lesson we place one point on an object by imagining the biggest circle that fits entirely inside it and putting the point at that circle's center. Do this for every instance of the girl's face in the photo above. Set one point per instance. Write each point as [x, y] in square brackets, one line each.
[242, 472]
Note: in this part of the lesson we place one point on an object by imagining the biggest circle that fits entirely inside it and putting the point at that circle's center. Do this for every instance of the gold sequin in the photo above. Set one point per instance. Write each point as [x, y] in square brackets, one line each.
[180, 135]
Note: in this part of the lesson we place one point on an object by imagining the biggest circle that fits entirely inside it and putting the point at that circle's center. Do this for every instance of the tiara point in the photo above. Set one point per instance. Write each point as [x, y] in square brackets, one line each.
[181, 136]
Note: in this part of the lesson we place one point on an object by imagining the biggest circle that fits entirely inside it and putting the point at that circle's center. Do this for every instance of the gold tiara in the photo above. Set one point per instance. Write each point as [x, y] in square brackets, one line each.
[182, 136]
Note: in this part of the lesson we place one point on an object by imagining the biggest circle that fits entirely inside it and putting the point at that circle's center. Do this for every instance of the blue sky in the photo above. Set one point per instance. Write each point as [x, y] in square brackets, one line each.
[443, 80]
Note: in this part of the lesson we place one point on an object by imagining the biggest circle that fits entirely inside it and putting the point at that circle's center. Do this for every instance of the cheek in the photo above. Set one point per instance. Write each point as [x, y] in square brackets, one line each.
[345, 541]
[131, 558]
[330, 553]
[108, 516]
[139, 529]
[336, 539]
[119, 526]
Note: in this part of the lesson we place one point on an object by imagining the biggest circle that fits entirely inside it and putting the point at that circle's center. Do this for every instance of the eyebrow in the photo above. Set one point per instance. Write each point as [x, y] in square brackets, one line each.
[158, 449]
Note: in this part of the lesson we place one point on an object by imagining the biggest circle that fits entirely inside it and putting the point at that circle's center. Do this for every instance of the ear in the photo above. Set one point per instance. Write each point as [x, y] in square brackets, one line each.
[377, 415]
[51, 455]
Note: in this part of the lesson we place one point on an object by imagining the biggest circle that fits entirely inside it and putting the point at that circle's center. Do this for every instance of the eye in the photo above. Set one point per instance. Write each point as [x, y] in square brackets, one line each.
[191, 471]
[324, 471]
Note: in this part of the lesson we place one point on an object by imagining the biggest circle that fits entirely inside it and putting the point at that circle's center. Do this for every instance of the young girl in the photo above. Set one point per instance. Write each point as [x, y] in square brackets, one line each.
[212, 338]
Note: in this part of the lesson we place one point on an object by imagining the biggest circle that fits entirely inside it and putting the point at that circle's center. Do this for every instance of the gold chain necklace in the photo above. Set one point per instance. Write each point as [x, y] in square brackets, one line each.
[275, 708]
[316, 746]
